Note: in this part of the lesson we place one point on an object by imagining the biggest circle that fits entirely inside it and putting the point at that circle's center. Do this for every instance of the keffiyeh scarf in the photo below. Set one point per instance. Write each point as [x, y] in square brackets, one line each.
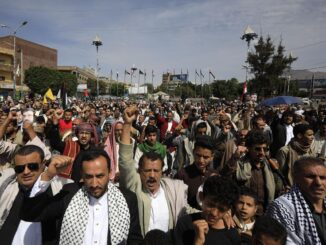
[75, 218]
[294, 213]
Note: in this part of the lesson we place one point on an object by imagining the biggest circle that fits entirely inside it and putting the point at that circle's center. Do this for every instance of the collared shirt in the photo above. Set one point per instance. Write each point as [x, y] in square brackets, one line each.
[289, 133]
[98, 221]
[31, 232]
[159, 218]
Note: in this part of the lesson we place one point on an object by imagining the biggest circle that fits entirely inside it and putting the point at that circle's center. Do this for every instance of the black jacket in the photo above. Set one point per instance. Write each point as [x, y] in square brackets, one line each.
[45, 207]
[9, 228]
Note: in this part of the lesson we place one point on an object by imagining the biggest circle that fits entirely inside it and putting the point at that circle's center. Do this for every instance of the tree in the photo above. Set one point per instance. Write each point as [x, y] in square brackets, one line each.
[230, 89]
[40, 79]
[92, 86]
[268, 66]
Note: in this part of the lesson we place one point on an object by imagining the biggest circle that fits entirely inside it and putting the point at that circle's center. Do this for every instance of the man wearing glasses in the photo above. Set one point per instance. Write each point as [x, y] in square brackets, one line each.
[26, 178]
[249, 167]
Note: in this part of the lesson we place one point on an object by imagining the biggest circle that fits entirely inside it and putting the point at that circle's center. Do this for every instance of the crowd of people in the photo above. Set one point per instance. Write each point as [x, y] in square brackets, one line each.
[161, 172]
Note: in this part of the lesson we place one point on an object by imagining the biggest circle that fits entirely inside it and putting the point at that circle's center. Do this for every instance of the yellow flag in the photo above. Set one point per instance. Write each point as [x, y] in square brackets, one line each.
[44, 100]
[49, 94]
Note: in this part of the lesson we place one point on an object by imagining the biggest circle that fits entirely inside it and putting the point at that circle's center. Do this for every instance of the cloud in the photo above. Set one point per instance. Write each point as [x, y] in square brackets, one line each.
[171, 34]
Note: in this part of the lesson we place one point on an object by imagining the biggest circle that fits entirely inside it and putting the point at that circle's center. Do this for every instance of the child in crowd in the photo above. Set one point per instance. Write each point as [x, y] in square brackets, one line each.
[245, 212]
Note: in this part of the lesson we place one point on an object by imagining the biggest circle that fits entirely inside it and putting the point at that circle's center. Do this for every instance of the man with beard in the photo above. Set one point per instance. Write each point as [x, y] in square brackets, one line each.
[302, 145]
[65, 123]
[249, 167]
[302, 210]
[96, 213]
[86, 135]
[167, 125]
[161, 201]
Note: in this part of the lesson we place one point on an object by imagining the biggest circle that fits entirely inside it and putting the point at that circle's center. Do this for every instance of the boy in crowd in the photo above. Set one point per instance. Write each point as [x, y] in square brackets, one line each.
[207, 227]
[245, 212]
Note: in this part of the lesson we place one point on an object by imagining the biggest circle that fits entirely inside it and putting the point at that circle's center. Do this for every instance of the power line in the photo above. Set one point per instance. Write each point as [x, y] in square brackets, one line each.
[308, 45]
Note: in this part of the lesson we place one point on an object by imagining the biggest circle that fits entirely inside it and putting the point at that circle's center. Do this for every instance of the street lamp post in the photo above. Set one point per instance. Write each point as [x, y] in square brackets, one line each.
[97, 42]
[248, 35]
[14, 67]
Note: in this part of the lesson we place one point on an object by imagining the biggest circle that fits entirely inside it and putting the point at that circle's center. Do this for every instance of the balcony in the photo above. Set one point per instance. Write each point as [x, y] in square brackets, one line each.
[6, 67]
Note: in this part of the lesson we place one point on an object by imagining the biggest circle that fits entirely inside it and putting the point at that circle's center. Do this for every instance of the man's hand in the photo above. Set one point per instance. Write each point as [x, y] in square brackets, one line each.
[201, 228]
[130, 114]
[57, 165]
[240, 151]
[228, 220]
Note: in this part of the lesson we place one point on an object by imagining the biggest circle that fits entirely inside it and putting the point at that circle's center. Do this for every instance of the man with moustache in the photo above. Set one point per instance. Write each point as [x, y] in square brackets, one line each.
[249, 167]
[86, 135]
[96, 213]
[26, 179]
[161, 201]
[302, 211]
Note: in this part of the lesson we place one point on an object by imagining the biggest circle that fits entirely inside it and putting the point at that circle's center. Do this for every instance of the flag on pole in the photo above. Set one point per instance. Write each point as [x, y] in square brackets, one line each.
[201, 74]
[117, 76]
[17, 70]
[63, 96]
[211, 74]
[153, 73]
[127, 72]
[196, 73]
[244, 90]
[49, 94]
[141, 72]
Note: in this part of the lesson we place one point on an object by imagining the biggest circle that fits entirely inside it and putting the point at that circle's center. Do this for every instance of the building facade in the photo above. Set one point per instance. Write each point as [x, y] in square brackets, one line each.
[28, 54]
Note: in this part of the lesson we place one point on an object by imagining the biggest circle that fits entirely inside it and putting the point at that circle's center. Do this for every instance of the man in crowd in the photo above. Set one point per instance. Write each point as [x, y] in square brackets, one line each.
[302, 210]
[15, 183]
[161, 201]
[301, 145]
[96, 213]
[282, 131]
[195, 174]
[249, 167]
[268, 231]
[151, 145]
[65, 123]
[86, 141]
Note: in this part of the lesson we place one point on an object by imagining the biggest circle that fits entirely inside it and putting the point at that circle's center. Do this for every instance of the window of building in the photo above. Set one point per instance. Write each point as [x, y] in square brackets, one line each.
[2, 78]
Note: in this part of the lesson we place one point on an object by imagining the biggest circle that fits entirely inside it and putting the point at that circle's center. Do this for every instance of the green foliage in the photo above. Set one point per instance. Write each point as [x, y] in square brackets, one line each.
[268, 65]
[230, 89]
[92, 87]
[40, 79]
[117, 89]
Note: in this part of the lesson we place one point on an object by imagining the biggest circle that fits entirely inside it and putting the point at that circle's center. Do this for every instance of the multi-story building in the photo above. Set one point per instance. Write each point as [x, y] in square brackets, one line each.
[82, 75]
[312, 82]
[28, 54]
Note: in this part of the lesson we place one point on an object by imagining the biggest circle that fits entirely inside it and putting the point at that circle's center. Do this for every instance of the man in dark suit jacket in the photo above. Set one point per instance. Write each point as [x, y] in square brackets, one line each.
[279, 129]
[96, 213]
[25, 180]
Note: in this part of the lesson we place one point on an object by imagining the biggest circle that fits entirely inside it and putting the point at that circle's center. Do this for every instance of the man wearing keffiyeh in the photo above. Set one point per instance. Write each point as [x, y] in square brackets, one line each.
[302, 211]
[301, 145]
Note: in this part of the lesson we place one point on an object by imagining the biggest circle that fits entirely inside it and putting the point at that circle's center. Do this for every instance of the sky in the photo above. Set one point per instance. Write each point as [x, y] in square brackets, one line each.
[169, 35]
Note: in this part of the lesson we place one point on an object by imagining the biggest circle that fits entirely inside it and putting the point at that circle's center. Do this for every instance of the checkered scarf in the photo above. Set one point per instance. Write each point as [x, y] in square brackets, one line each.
[301, 223]
[75, 218]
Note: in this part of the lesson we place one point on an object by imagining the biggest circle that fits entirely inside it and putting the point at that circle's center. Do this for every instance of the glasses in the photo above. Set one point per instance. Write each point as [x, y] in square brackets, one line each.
[31, 166]
[258, 149]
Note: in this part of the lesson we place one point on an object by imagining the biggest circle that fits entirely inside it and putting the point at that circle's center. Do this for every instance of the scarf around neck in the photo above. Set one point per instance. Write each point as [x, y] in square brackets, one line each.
[157, 147]
[75, 218]
[301, 149]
